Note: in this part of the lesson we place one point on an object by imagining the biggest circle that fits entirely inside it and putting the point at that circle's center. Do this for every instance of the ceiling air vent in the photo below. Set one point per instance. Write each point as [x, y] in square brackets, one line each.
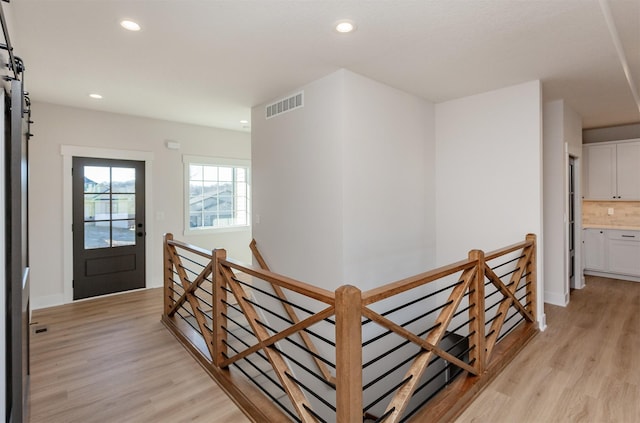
[285, 105]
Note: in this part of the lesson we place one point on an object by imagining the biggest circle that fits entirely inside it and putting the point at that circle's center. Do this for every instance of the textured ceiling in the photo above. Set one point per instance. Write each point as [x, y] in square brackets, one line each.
[208, 62]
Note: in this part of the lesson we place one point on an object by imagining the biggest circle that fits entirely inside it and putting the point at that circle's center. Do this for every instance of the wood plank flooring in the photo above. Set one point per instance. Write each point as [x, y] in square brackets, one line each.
[111, 360]
[584, 368]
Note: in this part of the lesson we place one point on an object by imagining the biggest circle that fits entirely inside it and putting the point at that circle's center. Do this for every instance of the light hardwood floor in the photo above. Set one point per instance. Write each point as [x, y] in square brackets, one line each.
[111, 360]
[584, 368]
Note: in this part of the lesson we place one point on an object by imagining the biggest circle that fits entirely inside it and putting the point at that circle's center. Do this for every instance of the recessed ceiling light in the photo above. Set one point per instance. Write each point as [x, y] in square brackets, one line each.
[243, 121]
[130, 25]
[96, 96]
[345, 26]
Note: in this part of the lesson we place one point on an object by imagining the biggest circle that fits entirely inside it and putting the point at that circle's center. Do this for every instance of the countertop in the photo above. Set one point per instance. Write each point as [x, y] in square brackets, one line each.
[621, 228]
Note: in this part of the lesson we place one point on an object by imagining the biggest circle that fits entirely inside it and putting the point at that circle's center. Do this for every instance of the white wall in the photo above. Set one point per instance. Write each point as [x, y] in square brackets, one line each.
[562, 138]
[388, 183]
[489, 173]
[297, 185]
[555, 179]
[57, 125]
[342, 186]
[573, 142]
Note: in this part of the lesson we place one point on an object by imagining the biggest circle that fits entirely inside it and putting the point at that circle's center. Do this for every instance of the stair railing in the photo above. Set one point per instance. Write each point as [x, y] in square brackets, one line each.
[372, 357]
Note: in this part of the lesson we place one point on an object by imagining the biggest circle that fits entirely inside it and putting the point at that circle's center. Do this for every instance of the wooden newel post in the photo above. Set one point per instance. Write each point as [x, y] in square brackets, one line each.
[532, 278]
[219, 308]
[476, 314]
[348, 354]
[167, 273]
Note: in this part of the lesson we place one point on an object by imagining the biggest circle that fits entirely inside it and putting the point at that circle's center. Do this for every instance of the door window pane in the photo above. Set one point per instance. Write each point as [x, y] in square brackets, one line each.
[123, 179]
[97, 235]
[97, 179]
[96, 207]
[124, 232]
[123, 206]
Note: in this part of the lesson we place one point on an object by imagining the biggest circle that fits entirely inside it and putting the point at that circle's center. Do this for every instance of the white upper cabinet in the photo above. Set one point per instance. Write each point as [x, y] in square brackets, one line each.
[628, 170]
[601, 172]
[612, 171]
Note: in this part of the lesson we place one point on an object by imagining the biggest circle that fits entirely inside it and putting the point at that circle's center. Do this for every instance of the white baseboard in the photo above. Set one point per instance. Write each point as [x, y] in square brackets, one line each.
[58, 299]
[555, 298]
[542, 322]
[612, 275]
[151, 284]
[579, 283]
[46, 301]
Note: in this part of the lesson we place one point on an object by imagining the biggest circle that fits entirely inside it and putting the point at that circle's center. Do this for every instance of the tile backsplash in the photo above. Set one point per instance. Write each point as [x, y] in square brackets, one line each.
[625, 213]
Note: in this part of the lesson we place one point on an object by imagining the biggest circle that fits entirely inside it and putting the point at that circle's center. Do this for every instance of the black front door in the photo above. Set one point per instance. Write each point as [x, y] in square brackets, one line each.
[108, 226]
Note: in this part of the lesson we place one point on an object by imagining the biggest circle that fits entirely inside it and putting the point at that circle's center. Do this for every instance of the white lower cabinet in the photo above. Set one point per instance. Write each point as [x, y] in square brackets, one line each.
[594, 246]
[612, 251]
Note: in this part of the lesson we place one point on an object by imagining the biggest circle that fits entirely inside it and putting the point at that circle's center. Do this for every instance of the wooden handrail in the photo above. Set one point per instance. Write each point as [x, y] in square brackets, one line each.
[305, 289]
[188, 247]
[509, 249]
[389, 290]
[351, 307]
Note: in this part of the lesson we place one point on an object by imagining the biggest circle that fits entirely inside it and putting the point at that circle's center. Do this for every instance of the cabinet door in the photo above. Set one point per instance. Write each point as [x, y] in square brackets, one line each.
[594, 249]
[628, 170]
[601, 172]
[624, 257]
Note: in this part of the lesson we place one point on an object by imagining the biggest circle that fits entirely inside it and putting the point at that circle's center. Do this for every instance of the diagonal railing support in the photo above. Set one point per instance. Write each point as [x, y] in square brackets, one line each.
[279, 365]
[509, 298]
[478, 356]
[322, 367]
[174, 261]
[403, 395]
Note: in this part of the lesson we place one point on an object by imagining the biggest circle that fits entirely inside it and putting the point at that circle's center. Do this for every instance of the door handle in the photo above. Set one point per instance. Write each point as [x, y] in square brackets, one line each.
[628, 236]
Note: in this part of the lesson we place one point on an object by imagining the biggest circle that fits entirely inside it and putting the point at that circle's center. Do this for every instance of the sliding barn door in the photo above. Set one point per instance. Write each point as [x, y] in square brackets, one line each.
[17, 253]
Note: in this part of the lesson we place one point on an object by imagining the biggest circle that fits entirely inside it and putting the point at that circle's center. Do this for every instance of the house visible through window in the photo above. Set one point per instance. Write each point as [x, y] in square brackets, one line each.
[218, 194]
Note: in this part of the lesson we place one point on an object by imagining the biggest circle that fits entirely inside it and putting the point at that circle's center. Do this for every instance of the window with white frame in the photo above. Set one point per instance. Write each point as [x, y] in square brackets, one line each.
[217, 193]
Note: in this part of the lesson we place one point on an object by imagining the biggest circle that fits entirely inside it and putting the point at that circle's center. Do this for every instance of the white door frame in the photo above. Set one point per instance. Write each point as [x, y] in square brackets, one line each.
[70, 151]
[576, 154]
